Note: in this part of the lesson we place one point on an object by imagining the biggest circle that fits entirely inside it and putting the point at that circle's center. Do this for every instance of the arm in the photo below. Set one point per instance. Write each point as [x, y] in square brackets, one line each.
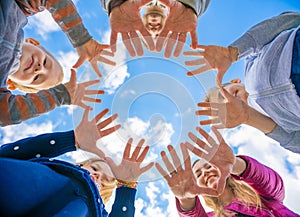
[17, 108]
[199, 6]
[263, 179]
[264, 32]
[45, 145]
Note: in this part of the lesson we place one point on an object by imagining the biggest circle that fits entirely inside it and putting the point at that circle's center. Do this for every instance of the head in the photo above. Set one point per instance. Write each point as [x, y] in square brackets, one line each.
[154, 18]
[234, 87]
[208, 176]
[38, 69]
[102, 175]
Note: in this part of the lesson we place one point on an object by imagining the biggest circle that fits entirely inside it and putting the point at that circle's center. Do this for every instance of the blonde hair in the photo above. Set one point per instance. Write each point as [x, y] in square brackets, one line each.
[27, 89]
[107, 188]
[242, 192]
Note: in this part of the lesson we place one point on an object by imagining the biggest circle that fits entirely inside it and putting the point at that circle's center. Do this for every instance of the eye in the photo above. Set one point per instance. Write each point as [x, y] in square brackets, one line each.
[94, 168]
[45, 61]
[199, 174]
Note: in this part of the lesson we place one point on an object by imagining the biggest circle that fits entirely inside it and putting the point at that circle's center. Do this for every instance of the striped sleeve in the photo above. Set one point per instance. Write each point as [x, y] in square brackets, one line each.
[65, 15]
[17, 108]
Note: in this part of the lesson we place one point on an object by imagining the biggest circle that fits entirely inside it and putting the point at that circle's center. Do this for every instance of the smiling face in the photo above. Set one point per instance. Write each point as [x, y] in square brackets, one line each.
[154, 23]
[206, 175]
[38, 69]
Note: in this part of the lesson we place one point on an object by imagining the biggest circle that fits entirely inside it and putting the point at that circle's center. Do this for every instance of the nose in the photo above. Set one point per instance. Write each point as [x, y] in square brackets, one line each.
[37, 67]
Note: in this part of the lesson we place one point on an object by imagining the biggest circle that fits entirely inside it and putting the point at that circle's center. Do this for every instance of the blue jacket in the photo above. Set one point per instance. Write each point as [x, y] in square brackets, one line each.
[38, 151]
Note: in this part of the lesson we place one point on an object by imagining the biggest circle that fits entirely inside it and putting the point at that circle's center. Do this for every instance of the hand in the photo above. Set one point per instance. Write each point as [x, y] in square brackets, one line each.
[88, 132]
[182, 182]
[229, 114]
[180, 21]
[125, 19]
[78, 92]
[93, 52]
[219, 154]
[212, 57]
[130, 168]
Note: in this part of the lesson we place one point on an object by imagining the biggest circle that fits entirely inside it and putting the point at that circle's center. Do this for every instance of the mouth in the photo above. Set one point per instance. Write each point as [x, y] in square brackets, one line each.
[207, 179]
[30, 64]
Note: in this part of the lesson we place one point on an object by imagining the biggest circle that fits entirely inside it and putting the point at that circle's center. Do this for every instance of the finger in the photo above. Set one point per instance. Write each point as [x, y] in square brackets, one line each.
[192, 53]
[127, 42]
[167, 162]
[98, 152]
[127, 149]
[106, 61]
[201, 47]
[110, 130]
[73, 77]
[170, 44]
[107, 121]
[198, 141]
[89, 83]
[85, 115]
[90, 99]
[198, 152]
[200, 70]
[162, 172]
[84, 106]
[195, 62]
[208, 104]
[210, 121]
[161, 39]
[218, 135]
[147, 167]
[101, 114]
[143, 154]
[113, 40]
[79, 62]
[180, 44]
[205, 191]
[148, 38]
[225, 94]
[137, 150]
[208, 138]
[207, 112]
[175, 158]
[137, 43]
[107, 53]
[93, 92]
[221, 184]
[95, 67]
[194, 39]
[186, 157]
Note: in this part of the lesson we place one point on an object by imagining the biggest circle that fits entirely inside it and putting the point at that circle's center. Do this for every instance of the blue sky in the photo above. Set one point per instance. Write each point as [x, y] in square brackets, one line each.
[156, 100]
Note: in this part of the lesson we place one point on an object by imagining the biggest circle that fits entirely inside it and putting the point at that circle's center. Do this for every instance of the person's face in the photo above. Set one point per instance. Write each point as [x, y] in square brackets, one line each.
[237, 90]
[206, 175]
[38, 69]
[154, 23]
[100, 173]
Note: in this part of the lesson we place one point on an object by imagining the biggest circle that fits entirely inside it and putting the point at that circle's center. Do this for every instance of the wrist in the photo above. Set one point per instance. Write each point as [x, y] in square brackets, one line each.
[130, 184]
[239, 166]
[187, 204]
[234, 53]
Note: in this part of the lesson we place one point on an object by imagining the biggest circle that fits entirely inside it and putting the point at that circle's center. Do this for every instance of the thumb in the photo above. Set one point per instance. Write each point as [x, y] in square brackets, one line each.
[225, 94]
[79, 62]
[73, 76]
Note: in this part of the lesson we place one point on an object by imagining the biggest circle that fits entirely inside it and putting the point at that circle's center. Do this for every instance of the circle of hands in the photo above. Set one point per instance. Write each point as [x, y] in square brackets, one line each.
[125, 19]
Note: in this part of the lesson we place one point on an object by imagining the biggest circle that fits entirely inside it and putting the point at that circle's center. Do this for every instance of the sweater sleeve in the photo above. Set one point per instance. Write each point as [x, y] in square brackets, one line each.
[263, 179]
[17, 108]
[264, 32]
[44, 145]
[196, 212]
[199, 6]
[124, 202]
[290, 141]
[64, 13]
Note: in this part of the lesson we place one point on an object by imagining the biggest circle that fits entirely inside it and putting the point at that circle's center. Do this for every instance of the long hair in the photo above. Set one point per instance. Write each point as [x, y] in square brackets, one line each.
[242, 192]
[106, 188]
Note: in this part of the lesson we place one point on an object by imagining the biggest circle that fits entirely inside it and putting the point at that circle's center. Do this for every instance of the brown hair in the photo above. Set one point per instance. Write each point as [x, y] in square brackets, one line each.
[106, 189]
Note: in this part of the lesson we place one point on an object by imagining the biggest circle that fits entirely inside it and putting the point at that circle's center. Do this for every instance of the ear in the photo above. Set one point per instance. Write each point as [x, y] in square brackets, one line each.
[236, 80]
[32, 41]
[10, 85]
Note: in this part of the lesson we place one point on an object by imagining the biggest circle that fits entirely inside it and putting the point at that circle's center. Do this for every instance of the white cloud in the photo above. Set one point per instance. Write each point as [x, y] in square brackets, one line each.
[16, 132]
[67, 60]
[43, 24]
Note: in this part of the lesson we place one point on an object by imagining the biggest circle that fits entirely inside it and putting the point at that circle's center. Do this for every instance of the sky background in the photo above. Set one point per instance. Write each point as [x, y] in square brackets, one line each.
[155, 99]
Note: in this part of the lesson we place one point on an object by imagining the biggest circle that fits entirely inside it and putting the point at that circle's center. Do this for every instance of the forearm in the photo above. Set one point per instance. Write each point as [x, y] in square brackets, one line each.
[17, 108]
[45, 145]
[260, 121]
[264, 32]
